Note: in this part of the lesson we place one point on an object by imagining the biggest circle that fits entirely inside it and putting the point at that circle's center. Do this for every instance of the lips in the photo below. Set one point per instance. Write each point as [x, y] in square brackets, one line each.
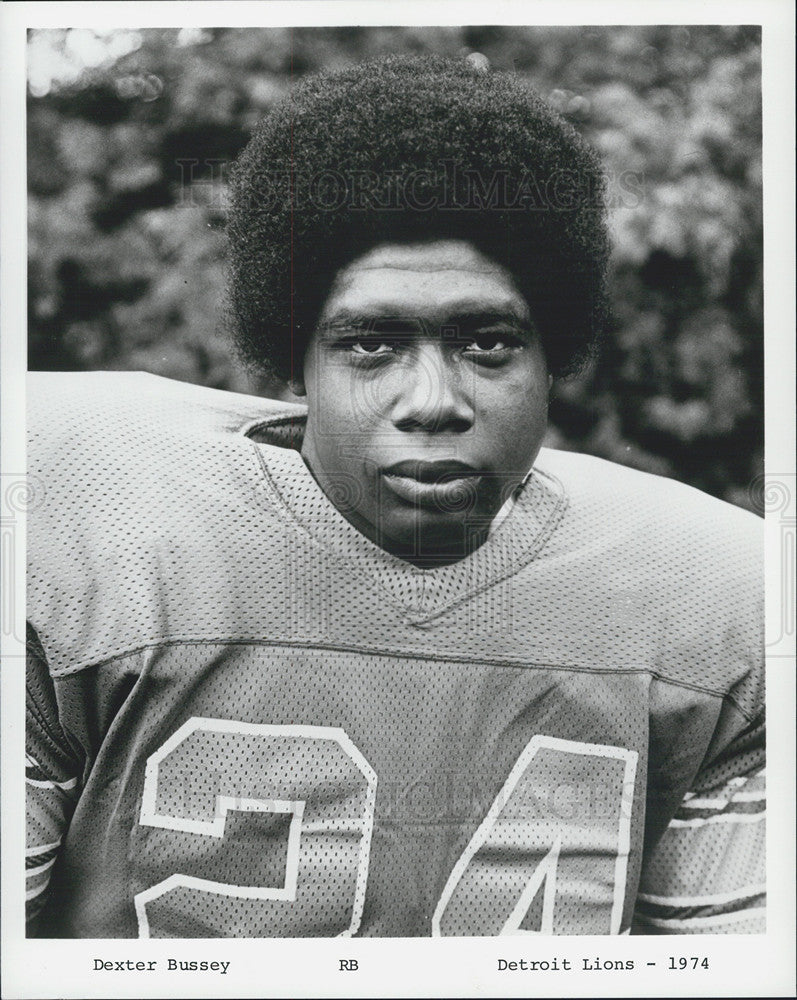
[442, 486]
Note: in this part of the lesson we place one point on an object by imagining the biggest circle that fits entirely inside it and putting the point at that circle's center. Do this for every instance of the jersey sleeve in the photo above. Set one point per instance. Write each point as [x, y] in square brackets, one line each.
[707, 873]
[52, 777]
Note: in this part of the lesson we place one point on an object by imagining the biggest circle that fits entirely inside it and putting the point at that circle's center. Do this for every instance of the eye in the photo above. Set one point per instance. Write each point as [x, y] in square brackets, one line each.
[486, 342]
[490, 342]
[371, 346]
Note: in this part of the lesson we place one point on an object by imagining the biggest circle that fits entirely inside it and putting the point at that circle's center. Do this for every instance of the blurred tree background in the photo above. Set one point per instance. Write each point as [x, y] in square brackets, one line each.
[130, 134]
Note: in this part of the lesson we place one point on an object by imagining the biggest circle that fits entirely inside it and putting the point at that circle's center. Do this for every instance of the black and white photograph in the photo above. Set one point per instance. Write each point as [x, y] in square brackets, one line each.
[395, 545]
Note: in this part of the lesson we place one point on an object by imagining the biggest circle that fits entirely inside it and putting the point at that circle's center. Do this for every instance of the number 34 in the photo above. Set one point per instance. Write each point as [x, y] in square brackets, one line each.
[313, 786]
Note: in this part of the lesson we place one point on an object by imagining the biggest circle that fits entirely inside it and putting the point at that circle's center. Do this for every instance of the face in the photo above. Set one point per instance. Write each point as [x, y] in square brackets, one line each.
[427, 396]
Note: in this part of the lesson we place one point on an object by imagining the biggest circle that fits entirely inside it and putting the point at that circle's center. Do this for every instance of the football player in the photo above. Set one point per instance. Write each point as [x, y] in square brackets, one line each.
[381, 665]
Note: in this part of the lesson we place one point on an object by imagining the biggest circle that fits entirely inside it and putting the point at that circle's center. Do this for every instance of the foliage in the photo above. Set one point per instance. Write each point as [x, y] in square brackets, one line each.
[130, 135]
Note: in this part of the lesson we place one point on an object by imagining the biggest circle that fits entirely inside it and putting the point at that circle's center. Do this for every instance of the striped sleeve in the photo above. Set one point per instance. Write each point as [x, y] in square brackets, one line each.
[52, 778]
[707, 874]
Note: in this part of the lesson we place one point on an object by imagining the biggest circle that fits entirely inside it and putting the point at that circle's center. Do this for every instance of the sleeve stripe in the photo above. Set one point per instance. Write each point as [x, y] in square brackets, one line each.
[698, 922]
[688, 810]
[33, 893]
[660, 911]
[63, 785]
[32, 852]
[39, 859]
[718, 897]
[719, 818]
[739, 781]
[696, 803]
[33, 872]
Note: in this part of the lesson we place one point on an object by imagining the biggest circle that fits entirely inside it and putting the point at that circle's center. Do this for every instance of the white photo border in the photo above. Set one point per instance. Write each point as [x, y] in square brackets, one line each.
[744, 965]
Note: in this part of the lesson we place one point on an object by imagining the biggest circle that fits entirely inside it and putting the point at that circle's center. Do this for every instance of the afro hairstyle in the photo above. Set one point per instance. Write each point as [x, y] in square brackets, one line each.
[410, 149]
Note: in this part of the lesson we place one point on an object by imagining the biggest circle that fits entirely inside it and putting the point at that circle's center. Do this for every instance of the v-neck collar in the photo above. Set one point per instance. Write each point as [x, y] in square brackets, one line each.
[420, 594]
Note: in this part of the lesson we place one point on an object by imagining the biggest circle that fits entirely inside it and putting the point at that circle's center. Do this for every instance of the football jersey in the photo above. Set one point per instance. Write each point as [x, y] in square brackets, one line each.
[247, 719]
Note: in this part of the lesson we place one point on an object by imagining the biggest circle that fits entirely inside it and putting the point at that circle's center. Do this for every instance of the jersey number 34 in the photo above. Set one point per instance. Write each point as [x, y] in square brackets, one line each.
[310, 790]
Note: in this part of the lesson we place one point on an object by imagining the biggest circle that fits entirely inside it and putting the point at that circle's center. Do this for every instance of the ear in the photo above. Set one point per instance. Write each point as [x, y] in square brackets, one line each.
[296, 385]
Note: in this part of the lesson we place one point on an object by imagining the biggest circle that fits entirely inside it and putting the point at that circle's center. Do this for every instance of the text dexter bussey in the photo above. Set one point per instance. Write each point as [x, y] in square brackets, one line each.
[172, 965]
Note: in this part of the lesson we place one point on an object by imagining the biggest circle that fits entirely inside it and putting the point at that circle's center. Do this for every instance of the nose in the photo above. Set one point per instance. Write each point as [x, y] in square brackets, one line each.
[431, 395]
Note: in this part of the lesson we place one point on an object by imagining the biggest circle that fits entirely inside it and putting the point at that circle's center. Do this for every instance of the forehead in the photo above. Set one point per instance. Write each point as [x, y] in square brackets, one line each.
[431, 280]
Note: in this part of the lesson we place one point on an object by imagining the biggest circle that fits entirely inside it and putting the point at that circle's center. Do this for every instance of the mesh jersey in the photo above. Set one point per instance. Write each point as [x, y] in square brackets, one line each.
[245, 719]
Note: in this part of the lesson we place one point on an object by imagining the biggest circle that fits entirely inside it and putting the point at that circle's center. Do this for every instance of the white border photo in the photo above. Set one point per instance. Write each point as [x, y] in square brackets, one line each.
[528, 964]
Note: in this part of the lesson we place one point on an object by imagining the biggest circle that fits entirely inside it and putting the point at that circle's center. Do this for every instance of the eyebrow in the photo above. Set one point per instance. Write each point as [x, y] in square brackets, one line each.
[378, 319]
[365, 321]
[475, 320]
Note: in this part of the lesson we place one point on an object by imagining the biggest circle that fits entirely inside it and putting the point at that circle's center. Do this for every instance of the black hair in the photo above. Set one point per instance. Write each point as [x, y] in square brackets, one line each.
[408, 149]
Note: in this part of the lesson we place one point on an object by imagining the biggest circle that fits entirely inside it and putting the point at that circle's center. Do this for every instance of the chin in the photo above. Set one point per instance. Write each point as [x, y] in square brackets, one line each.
[436, 538]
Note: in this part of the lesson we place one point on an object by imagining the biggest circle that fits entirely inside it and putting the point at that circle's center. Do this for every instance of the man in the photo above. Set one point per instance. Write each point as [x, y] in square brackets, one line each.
[380, 665]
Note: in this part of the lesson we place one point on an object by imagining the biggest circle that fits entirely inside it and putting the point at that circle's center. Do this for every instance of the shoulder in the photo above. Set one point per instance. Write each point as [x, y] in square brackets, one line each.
[151, 494]
[98, 404]
[677, 575]
[99, 435]
[86, 427]
[670, 521]
[596, 481]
